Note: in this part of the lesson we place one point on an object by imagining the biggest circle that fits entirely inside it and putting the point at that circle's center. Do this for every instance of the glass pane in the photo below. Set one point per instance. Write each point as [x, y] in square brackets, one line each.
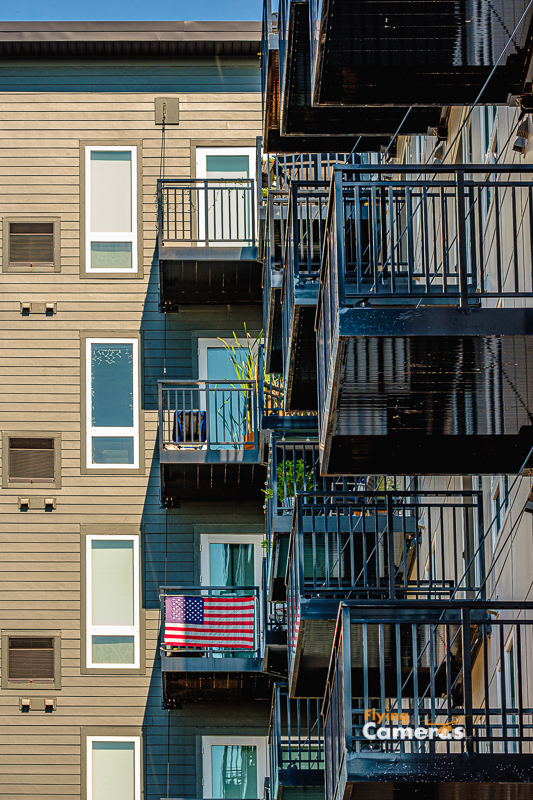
[111, 191]
[231, 564]
[111, 255]
[112, 450]
[112, 582]
[228, 408]
[112, 385]
[113, 650]
[113, 770]
[227, 166]
[234, 771]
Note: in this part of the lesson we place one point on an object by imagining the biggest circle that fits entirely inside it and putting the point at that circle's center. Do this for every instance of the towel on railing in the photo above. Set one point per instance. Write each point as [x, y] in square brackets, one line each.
[189, 427]
[209, 622]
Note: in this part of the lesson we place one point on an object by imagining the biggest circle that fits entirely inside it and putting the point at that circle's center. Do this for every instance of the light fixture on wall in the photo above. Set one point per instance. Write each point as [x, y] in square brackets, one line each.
[529, 502]
[520, 144]
[438, 155]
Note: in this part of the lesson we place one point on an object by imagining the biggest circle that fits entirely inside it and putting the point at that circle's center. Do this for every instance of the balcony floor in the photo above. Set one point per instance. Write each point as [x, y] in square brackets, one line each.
[193, 482]
[364, 57]
[193, 679]
[205, 275]
[300, 369]
[437, 776]
[416, 391]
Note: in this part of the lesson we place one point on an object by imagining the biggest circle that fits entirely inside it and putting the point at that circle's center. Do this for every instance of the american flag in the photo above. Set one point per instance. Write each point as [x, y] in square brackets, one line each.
[200, 622]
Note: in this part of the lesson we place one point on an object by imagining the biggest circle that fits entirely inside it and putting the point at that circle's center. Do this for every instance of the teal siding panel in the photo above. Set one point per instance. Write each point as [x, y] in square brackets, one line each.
[193, 76]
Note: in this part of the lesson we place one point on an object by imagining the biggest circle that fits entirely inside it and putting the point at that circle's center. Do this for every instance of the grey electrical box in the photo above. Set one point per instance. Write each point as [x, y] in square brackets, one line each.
[167, 110]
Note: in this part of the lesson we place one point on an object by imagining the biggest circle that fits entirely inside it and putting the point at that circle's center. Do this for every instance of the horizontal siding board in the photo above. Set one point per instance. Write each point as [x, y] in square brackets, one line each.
[40, 388]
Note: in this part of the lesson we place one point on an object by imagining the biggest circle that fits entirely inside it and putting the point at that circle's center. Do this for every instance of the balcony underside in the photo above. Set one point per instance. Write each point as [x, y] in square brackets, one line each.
[301, 375]
[300, 784]
[433, 53]
[194, 482]
[193, 679]
[313, 654]
[275, 658]
[273, 332]
[199, 275]
[438, 776]
[430, 391]
[318, 138]
[300, 117]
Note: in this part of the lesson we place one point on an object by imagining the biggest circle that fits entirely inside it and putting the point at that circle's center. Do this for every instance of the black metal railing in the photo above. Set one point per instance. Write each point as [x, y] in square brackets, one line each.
[306, 225]
[295, 740]
[431, 234]
[387, 545]
[383, 545]
[448, 235]
[182, 637]
[208, 415]
[207, 212]
[293, 468]
[457, 675]
[271, 388]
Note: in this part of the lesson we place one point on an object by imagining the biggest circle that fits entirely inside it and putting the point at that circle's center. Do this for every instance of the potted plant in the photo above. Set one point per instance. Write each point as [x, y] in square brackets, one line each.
[292, 477]
[244, 360]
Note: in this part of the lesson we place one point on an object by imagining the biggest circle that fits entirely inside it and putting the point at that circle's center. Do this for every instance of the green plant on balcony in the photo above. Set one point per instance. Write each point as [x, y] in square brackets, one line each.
[244, 358]
[291, 477]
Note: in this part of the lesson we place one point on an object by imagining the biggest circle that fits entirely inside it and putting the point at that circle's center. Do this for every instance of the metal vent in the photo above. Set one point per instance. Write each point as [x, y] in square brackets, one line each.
[31, 459]
[31, 659]
[31, 243]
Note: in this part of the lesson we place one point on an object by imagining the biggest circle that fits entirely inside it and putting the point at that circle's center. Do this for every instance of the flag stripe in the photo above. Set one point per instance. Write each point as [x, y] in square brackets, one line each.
[216, 622]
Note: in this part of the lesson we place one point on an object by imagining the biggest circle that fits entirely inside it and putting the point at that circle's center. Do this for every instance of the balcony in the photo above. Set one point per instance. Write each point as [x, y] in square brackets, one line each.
[303, 249]
[293, 122]
[274, 238]
[296, 747]
[373, 546]
[292, 468]
[207, 242]
[276, 139]
[209, 441]
[394, 53]
[430, 702]
[423, 337]
[272, 412]
[275, 650]
[199, 658]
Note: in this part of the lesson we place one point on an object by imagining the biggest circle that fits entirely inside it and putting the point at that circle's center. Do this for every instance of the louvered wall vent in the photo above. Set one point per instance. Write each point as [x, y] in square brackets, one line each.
[31, 244]
[31, 459]
[31, 659]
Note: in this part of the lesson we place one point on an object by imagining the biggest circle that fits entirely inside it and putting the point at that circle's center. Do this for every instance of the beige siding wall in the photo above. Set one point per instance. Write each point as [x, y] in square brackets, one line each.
[40, 577]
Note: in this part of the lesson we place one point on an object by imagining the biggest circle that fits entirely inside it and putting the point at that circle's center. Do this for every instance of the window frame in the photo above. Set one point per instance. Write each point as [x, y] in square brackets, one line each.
[201, 153]
[137, 750]
[18, 687]
[137, 218]
[91, 430]
[6, 222]
[29, 484]
[113, 630]
[206, 539]
[113, 236]
[260, 742]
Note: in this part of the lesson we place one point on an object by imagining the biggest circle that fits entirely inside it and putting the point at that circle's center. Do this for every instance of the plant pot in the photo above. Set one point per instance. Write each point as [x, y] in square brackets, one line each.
[248, 441]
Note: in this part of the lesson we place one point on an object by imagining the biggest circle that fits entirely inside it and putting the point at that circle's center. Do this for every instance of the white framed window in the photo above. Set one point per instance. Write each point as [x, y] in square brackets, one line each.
[229, 212]
[113, 767]
[234, 766]
[112, 403]
[111, 209]
[214, 360]
[499, 506]
[230, 559]
[113, 603]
